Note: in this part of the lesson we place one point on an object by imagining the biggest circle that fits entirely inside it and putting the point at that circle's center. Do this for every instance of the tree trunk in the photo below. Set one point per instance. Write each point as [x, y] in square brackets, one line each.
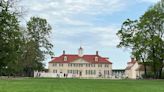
[160, 71]
[154, 63]
[145, 70]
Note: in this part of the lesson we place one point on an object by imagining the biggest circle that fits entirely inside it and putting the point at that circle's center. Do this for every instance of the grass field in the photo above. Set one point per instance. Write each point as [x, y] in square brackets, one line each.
[80, 85]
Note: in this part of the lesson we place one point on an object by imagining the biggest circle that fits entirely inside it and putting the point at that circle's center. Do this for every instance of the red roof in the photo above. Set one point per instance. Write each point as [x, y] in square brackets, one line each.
[130, 64]
[72, 57]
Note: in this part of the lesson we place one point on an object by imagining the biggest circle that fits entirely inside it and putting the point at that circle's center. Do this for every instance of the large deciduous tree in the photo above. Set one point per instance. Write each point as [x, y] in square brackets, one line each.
[22, 50]
[10, 40]
[36, 44]
[145, 38]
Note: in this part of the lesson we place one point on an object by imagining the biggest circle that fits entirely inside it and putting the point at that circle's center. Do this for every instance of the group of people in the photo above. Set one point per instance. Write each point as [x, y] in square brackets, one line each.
[65, 75]
[38, 74]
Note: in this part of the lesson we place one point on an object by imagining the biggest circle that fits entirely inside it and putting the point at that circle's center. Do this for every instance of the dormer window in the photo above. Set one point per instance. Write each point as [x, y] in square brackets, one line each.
[65, 58]
[96, 58]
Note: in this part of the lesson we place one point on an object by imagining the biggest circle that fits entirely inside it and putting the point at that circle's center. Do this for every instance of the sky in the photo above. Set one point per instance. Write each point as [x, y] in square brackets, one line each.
[92, 24]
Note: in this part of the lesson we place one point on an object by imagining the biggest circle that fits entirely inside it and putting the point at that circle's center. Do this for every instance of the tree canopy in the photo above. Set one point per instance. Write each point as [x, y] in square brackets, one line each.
[145, 37]
[22, 51]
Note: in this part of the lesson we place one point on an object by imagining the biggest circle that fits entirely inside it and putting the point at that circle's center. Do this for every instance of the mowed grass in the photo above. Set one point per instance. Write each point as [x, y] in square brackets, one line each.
[80, 85]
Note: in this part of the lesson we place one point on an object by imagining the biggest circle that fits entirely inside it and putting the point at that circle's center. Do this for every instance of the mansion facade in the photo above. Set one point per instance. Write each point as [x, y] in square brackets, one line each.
[80, 65]
[89, 66]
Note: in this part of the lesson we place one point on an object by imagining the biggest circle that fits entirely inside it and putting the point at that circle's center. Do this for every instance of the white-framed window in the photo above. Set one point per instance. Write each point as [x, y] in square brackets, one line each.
[106, 65]
[80, 65]
[69, 71]
[61, 65]
[90, 72]
[69, 65]
[106, 72]
[54, 64]
[54, 71]
[92, 65]
[99, 65]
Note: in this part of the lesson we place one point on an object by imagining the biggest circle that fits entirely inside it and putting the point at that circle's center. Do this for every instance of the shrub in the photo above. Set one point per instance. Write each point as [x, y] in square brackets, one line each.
[150, 75]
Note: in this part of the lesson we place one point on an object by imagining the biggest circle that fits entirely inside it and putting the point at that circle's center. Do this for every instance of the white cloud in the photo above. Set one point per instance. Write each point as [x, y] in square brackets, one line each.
[60, 7]
[62, 12]
[74, 22]
[107, 35]
[94, 37]
[149, 1]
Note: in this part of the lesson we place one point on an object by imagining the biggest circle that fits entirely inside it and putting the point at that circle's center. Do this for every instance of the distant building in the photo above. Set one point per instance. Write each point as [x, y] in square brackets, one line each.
[118, 73]
[80, 65]
[130, 70]
[135, 69]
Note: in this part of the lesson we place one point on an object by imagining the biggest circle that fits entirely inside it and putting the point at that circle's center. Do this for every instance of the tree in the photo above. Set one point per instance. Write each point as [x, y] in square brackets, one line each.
[152, 22]
[131, 37]
[22, 50]
[36, 44]
[160, 8]
[10, 39]
[145, 38]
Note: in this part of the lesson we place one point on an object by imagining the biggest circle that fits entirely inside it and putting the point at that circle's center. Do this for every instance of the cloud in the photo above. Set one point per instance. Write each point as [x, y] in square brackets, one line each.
[67, 7]
[73, 21]
[65, 12]
[149, 1]
[107, 35]
[62, 15]
[91, 37]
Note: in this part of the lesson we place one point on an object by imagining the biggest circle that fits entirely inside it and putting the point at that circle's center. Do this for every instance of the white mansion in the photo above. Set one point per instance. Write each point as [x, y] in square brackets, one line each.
[80, 65]
[89, 66]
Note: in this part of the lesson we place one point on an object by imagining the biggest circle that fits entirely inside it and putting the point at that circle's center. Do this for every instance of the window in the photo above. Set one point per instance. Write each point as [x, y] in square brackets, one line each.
[69, 71]
[99, 65]
[54, 71]
[88, 65]
[92, 65]
[54, 64]
[69, 65]
[106, 65]
[106, 72]
[75, 71]
[94, 72]
[90, 72]
[61, 65]
[80, 65]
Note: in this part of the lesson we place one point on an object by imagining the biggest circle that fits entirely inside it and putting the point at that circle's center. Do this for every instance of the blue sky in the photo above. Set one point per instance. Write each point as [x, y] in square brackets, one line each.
[90, 23]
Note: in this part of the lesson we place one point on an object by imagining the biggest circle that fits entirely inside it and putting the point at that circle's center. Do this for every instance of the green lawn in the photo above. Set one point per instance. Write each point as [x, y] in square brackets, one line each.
[80, 85]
